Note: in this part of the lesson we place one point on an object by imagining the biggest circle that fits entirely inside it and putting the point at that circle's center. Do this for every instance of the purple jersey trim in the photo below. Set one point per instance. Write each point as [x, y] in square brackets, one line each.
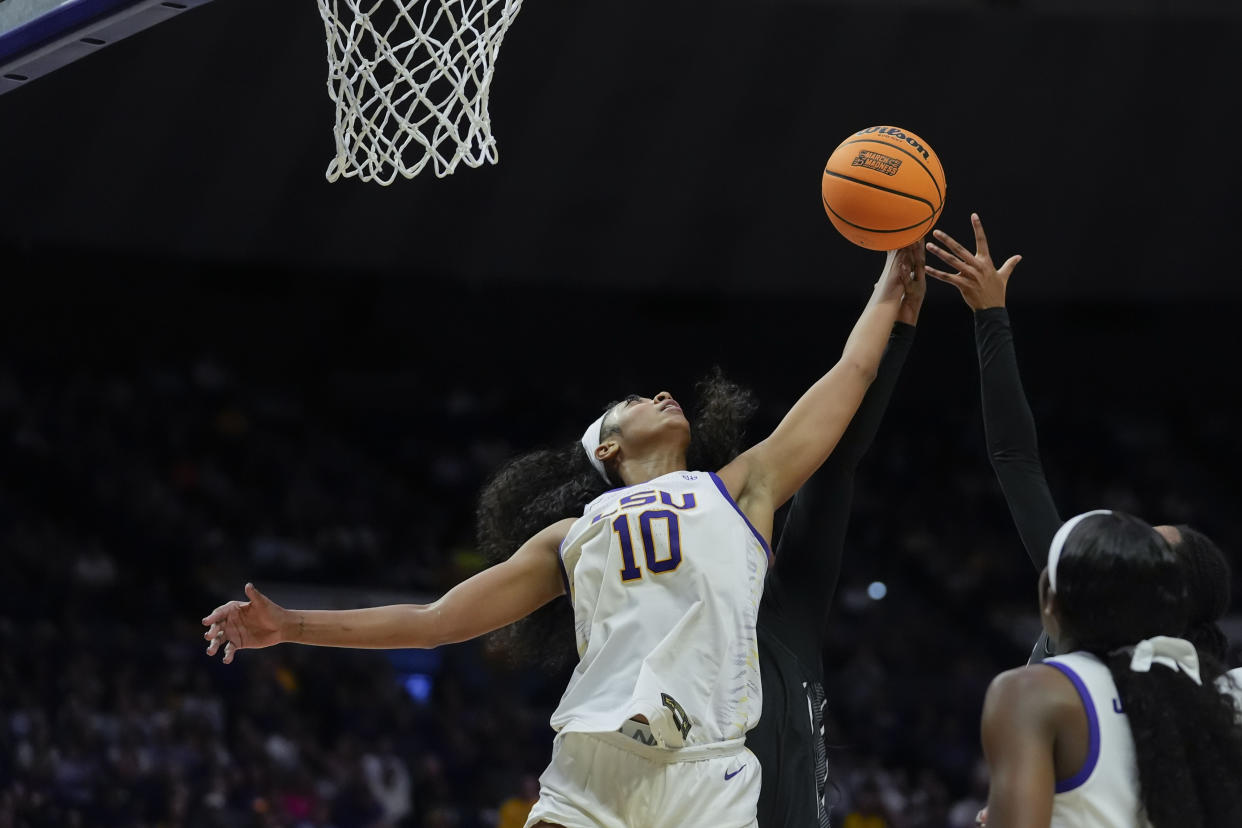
[1093, 732]
[720, 485]
[620, 489]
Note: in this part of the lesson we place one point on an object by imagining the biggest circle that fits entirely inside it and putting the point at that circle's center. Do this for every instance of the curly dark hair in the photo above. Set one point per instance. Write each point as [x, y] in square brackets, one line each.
[1207, 590]
[534, 490]
[1119, 582]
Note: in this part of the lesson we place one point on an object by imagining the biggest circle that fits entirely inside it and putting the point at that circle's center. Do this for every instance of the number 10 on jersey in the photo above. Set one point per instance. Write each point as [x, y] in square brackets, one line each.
[660, 557]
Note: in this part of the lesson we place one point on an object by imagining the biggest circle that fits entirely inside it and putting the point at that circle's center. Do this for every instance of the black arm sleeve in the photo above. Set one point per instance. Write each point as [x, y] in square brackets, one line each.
[1013, 447]
[808, 557]
[1010, 430]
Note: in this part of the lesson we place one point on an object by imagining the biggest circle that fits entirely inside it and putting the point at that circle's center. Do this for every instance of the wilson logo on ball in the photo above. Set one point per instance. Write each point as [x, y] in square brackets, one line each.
[898, 135]
[875, 161]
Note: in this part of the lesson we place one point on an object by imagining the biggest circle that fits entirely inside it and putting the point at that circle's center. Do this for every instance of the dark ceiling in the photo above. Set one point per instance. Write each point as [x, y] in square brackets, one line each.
[652, 144]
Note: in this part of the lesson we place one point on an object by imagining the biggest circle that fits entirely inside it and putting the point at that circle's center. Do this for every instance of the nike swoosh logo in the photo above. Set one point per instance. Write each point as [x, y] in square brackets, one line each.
[729, 776]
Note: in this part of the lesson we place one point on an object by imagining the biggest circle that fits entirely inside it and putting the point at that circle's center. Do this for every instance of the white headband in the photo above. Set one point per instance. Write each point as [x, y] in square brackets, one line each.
[1058, 542]
[1174, 653]
[590, 442]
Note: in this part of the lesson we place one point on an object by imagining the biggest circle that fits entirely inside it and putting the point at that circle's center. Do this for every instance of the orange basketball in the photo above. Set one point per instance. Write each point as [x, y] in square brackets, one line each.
[883, 188]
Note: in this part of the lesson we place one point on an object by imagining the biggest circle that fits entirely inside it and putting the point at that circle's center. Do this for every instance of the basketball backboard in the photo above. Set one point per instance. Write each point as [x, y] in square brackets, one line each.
[40, 36]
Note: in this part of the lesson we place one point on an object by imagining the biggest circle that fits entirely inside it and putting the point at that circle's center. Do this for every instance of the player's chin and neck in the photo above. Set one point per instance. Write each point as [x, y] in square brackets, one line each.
[663, 454]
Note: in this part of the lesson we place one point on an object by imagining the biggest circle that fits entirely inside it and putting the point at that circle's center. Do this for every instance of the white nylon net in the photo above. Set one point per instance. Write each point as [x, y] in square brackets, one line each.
[409, 79]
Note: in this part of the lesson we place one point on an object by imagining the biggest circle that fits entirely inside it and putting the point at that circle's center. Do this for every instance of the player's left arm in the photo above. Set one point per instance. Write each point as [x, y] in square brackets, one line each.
[1008, 424]
[1019, 734]
[762, 478]
[484, 602]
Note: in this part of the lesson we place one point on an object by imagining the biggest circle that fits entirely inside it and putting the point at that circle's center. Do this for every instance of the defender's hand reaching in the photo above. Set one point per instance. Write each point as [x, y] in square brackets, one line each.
[982, 285]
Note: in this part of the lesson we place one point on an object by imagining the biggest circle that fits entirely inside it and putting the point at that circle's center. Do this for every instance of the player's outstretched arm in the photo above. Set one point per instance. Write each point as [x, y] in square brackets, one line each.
[484, 602]
[1008, 424]
[766, 475]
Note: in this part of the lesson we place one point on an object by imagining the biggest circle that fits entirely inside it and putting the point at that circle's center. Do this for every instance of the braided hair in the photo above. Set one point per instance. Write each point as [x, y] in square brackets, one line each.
[1207, 591]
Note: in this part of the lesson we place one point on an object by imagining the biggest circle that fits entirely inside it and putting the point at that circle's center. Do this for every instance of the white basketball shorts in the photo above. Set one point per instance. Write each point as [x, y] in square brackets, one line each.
[613, 780]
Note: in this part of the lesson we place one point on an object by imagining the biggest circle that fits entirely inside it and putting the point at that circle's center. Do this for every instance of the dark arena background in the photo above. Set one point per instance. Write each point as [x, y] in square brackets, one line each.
[216, 367]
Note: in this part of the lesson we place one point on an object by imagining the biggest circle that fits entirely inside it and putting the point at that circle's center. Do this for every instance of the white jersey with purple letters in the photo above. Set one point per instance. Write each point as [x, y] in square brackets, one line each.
[1104, 793]
[665, 579]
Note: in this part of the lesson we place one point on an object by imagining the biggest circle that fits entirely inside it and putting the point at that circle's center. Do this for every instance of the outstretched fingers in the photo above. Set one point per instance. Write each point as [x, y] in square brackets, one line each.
[954, 246]
[1008, 267]
[216, 614]
[919, 252]
[215, 637]
[956, 279]
[224, 611]
[981, 239]
[231, 637]
[947, 257]
[982, 285]
[222, 628]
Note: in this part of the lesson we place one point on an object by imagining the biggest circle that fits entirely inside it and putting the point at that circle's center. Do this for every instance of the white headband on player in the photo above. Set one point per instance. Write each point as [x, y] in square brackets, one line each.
[590, 442]
[1058, 542]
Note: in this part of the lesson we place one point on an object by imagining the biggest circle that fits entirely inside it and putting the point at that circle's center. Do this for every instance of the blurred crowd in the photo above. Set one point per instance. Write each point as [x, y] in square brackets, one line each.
[135, 499]
[128, 507]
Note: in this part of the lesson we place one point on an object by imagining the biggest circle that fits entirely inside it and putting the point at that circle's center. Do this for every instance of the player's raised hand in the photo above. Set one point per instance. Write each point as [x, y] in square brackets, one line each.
[902, 266]
[982, 285]
[241, 625]
[913, 258]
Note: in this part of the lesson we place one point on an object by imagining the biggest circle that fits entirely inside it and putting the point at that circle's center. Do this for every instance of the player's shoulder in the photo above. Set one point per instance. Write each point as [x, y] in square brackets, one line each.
[1028, 679]
[1039, 692]
[561, 527]
[554, 534]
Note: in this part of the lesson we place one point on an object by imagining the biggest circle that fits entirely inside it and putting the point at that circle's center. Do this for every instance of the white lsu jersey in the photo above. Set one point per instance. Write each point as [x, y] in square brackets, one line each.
[1104, 793]
[665, 579]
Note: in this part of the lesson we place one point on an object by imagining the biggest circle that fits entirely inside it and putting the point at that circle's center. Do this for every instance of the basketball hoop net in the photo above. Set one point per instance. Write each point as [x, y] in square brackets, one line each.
[409, 79]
